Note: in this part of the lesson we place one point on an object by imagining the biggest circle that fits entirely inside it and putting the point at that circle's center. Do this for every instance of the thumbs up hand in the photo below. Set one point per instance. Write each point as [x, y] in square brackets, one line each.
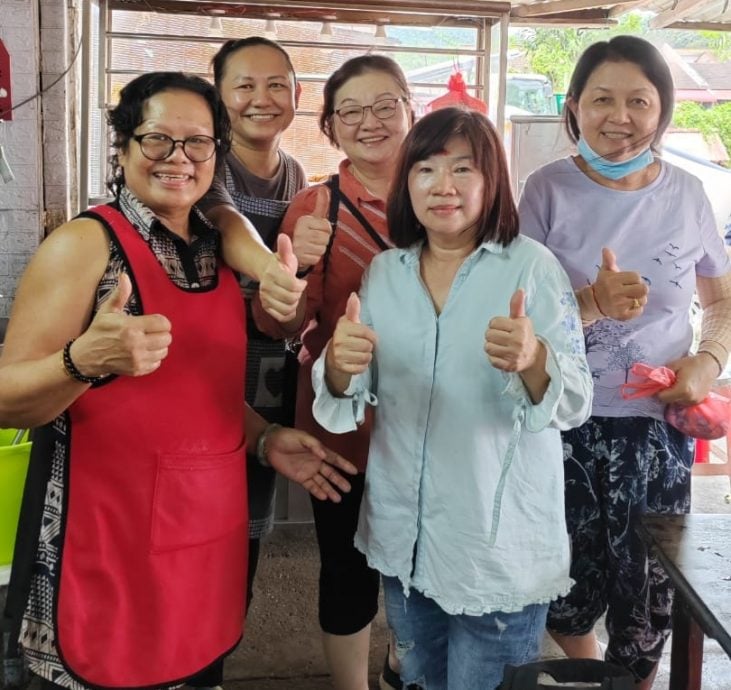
[280, 290]
[510, 343]
[117, 343]
[620, 295]
[312, 232]
[351, 347]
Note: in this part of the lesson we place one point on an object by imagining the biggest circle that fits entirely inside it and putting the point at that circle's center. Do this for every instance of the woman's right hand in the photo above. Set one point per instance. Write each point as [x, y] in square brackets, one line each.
[352, 344]
[312, 232]
[280, 290]
[117, 343]
[620, 295]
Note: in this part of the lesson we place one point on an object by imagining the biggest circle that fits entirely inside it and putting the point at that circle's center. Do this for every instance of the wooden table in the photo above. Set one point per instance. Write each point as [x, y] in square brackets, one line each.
[695, 551]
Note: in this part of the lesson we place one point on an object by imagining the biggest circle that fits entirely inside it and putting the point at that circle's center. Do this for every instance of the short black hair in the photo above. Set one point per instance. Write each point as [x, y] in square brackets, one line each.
[632, 49]
[429, 136]
[126, 116]
[233, 45]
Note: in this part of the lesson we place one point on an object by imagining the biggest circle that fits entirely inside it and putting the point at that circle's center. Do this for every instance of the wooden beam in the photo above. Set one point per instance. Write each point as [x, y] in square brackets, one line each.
[450, 8]
[700, 26]
[540, 9]
[580, 19]
[680, 9]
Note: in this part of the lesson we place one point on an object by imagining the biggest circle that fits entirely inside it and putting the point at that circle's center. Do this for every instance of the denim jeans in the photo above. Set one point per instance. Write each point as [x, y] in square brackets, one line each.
[439, 651]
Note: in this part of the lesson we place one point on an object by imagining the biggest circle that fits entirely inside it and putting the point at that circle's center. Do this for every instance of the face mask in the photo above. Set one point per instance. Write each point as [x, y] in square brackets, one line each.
[614, 170]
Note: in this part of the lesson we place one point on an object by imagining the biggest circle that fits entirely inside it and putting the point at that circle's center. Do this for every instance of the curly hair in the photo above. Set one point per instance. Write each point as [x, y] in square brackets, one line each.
[127, 115]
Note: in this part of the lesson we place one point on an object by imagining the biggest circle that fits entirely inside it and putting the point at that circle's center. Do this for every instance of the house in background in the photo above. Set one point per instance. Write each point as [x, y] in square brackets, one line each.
[698, 76]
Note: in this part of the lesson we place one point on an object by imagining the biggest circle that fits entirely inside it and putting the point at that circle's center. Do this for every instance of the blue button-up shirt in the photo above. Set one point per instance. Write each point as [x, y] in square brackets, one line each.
[464, 495]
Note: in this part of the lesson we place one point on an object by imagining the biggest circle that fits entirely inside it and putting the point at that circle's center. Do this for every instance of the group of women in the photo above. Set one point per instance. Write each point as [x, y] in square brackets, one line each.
[469, 374]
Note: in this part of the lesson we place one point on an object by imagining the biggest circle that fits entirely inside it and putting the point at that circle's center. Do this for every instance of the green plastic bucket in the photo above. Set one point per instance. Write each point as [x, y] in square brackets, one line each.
[560, 101]
[13, 468]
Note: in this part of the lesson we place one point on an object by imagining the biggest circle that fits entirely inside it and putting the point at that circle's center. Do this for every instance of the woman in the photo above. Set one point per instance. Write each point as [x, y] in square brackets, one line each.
[127, 344]
[365, 113]
[637, 246]
[463, 489]
[258, 86]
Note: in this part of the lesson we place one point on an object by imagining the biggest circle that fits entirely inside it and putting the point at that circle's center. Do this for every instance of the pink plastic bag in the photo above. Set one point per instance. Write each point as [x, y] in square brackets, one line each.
[708, 419]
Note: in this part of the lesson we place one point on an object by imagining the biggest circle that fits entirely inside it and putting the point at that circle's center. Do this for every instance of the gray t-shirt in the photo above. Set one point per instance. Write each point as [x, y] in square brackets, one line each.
[665, 231]
[262, 200]
[270, 376]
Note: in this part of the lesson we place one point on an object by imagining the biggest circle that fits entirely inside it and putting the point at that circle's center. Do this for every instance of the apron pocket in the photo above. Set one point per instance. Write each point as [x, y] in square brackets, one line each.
[198, 499]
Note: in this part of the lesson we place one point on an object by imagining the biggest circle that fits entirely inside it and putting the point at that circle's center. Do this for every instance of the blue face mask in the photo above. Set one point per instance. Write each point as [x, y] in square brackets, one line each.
[614, 170]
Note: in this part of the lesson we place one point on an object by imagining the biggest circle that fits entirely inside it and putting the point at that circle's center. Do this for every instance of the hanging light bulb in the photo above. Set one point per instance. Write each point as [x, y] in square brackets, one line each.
[326, 32]
[380, 37]
[270, 27]
[215, 28]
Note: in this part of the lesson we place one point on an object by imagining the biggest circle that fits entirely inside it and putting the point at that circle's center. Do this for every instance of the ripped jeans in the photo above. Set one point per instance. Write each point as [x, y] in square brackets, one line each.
[439, 651]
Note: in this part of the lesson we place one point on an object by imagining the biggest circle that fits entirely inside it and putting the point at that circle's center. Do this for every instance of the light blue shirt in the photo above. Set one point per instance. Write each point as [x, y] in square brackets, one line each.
[464, 497]
[665, 232]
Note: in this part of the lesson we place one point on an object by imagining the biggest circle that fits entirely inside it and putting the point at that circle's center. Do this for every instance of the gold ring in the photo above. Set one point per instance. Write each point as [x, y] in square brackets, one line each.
[636, 304]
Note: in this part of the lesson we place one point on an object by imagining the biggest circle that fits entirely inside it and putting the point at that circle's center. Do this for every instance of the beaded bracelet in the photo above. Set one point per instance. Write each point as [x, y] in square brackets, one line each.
[261, 444]
[70, 368]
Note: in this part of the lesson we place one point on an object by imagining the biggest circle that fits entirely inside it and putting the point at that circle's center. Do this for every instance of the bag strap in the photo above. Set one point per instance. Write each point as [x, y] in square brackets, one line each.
[336, 196]
[332, 215]
[333, 184]
[364, 222]
[610, 676]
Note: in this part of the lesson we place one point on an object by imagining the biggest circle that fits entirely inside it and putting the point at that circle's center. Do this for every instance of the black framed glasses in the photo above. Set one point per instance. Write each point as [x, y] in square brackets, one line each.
[157, 147]
[383, 110]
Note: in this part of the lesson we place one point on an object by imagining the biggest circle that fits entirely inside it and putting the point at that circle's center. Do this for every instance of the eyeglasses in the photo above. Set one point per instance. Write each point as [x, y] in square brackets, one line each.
[384, 109]
[157, 147]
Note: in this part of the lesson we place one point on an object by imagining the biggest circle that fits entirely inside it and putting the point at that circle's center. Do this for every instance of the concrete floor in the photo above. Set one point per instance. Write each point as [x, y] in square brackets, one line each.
[281, 649]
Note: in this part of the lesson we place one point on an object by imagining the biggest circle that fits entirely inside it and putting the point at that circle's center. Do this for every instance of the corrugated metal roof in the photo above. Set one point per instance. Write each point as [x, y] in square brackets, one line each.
[681, 14]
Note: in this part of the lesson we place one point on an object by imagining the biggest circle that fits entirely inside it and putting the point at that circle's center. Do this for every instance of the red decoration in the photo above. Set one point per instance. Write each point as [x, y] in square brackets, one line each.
[6, 103]
[457, 96]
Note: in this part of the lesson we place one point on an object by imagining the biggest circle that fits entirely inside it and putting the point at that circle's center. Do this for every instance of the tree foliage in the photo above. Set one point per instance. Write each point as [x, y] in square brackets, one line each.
[554, 52]
[713, 120]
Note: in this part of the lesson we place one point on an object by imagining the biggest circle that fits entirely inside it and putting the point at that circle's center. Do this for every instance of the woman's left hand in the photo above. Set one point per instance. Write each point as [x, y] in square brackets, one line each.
[510, 343]
[302, 458]
[695, 376]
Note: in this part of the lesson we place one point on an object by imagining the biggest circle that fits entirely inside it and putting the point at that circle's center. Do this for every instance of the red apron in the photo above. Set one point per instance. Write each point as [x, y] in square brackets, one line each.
[153, 570]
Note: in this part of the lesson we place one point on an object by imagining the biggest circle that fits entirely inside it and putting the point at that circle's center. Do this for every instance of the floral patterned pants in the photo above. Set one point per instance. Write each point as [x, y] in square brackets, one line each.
[616, 469]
